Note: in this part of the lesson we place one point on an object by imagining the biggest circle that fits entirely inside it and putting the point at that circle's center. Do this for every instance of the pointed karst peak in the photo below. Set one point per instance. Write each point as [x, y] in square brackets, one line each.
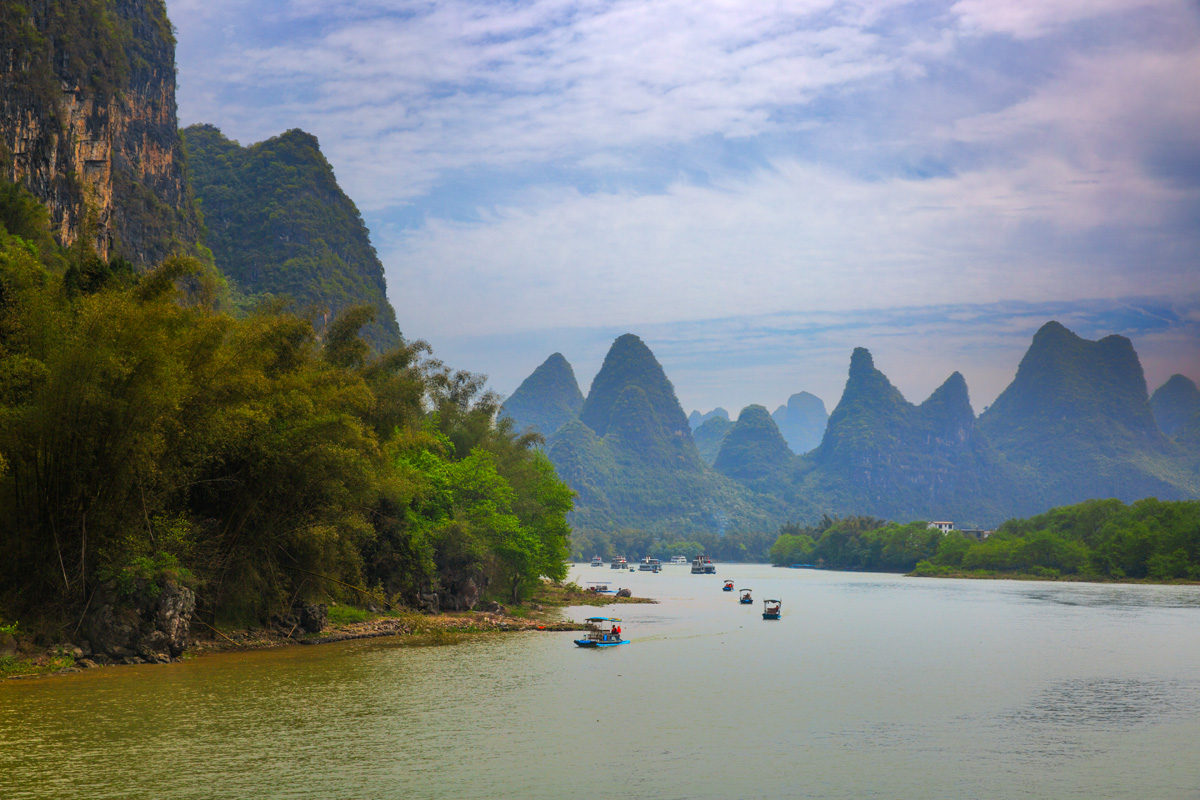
[547, 399]
[861, 361]
[753, 448]
[630, 363]
[952, 392]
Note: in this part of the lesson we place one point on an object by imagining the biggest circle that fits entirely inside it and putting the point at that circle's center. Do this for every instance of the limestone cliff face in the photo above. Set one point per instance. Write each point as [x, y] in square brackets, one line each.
[88, 123]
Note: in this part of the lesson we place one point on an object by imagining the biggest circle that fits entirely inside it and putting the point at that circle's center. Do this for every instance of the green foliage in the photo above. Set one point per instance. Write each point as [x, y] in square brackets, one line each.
[149, 572]
[857, 543]
[1101, 539]
[280, 226]
[146, 435]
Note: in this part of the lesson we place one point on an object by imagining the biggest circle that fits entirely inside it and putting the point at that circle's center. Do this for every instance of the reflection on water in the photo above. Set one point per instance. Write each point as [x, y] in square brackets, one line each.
[870, 686]
[1114, 596]
[1110, 703]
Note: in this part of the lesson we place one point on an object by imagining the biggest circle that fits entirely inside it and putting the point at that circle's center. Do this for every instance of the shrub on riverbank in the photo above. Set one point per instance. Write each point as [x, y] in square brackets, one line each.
[1097, 539]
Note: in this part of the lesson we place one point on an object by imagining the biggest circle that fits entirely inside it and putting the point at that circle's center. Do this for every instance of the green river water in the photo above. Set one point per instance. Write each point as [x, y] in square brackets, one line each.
[871, 686]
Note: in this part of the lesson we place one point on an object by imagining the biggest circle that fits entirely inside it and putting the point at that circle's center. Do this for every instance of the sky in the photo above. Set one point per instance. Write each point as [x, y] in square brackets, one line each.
[752, 187]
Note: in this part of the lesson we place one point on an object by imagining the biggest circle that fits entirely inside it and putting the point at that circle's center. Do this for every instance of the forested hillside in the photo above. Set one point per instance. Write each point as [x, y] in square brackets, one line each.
[148, 435]
[631, 458]
[280, 226]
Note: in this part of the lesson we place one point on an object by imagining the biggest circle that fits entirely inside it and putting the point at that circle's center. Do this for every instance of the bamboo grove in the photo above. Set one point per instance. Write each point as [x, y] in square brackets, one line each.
[145, 426]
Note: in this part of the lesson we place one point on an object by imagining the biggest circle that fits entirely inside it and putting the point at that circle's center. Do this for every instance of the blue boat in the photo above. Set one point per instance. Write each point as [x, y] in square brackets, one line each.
[771, 609]
[728, 587]
[745, 598]
[602, 632]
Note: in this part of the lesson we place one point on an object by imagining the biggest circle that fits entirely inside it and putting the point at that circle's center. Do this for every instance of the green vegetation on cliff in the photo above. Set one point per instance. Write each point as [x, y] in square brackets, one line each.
[885, 457]
[280, 226]
[138, 421]
[1077, 416]
[753, 449]
[547, 399]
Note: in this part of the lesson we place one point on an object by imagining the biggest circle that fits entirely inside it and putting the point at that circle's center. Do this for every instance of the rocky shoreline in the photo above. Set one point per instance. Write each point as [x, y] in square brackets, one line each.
[136, 635]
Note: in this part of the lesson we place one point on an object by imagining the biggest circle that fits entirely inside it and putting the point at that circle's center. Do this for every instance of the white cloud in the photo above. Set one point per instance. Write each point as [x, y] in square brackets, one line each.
[1027, 19]
[798, 237]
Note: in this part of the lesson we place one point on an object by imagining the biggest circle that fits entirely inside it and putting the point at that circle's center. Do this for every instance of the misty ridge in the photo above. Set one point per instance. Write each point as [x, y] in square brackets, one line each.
[1075, 423]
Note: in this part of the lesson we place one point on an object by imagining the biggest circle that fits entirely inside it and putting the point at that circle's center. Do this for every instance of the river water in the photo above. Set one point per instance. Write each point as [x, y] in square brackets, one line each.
[871, 686]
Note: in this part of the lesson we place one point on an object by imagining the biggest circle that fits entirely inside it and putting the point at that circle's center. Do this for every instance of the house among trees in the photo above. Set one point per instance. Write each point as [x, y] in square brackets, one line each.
[944, 527]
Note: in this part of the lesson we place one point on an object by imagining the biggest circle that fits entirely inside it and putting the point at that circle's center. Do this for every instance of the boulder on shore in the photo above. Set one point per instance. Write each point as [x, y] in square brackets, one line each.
[151, 620]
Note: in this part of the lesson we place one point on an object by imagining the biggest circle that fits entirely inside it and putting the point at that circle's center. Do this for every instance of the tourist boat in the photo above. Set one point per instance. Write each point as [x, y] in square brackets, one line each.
[703, 565]
[600, 587]
[619, 563]
[679, 560]
[728, 587]
[771, 609]
[650, 565]
[745, 598]
[597, 561]
[602, 632]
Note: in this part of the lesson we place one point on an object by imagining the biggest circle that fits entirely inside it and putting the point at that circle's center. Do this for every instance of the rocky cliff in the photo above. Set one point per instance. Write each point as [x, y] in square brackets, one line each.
[88, 123]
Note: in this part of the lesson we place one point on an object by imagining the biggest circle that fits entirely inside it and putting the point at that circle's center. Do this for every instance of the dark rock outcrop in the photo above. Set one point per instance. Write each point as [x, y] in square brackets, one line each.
[151, 621]
[88, 124]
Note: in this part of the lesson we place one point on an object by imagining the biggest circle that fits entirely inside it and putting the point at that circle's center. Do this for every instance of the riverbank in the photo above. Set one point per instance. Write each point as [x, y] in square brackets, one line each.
[345, 623]
[1042, 574]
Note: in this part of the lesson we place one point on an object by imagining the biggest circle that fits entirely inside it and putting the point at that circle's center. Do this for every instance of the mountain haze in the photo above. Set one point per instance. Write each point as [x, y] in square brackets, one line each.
[1175, 404]
[802, 421]
[709, 436]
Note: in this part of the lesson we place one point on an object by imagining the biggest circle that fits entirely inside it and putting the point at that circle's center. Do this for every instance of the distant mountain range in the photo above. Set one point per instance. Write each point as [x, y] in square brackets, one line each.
[1075, 423]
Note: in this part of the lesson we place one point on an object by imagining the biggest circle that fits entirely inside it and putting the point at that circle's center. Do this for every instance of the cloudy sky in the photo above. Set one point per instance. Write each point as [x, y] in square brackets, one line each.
[753, 187]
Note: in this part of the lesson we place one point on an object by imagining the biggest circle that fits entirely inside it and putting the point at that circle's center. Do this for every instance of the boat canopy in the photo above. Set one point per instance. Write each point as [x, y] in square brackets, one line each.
[603, 619]
[780, 602]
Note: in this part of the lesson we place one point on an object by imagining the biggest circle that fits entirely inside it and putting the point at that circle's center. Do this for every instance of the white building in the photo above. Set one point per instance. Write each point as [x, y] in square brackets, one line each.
[944, 527]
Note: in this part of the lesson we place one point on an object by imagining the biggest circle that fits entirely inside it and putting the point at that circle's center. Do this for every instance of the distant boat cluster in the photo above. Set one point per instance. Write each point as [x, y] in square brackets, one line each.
[606, 631]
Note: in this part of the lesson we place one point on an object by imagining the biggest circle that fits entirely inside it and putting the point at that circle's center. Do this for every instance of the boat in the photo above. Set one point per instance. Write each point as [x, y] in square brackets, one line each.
[728, 587]
[703, 565]
[650, 565]
[602, 632]
[745, 598]
[597, 561]
[600, 587]
[619, 563]
[771, 609]
[679, 560]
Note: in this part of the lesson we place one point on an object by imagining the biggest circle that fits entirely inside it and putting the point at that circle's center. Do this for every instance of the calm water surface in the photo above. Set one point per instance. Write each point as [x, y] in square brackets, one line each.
[871, 686]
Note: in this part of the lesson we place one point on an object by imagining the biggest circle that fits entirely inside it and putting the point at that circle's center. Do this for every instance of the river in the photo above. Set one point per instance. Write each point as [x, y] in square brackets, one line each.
[870, 686]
